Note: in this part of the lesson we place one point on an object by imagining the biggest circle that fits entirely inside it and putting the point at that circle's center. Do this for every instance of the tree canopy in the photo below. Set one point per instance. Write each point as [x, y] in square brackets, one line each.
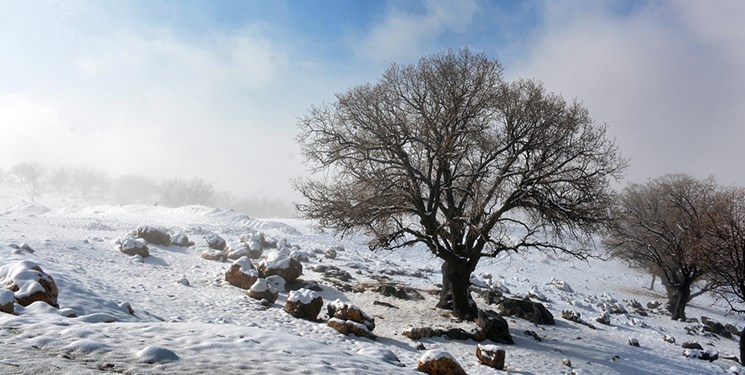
[448, 154]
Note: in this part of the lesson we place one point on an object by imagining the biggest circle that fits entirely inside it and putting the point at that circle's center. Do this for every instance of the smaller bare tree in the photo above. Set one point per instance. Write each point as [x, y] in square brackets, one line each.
[662, 226]
[29, 173]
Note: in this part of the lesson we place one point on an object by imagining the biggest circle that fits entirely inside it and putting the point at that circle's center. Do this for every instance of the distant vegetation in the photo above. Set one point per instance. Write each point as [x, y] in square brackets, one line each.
[97, 186]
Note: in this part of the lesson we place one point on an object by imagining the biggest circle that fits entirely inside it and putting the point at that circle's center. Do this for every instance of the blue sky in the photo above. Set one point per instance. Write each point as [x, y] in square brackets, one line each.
[214, 88]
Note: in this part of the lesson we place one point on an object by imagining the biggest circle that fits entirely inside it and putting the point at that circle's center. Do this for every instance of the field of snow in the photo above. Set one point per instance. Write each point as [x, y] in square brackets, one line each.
[188, 320]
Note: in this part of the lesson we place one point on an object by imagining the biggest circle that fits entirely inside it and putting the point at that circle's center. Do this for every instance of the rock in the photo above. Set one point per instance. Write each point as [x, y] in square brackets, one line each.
[561, 285]
[346, 327]
[385, 304]
[7, 301]
[492, 296]
[400, 292]
[181, 240]
[333, 272]
[277, 282]
[235, 250]
[456, 334]
[437, 362]
[525, 309]
[732, 330]
[330, 254]
[300, 256]
[304, 304]
[184, 281]
[669, 339]
[344, 311]
[533, 334]
[215, 242]
[288, 268]
[156, 354]
[653, 305]
[212, 254]
[535, 293]
[490, 355]
[262, 290]
[29, 283]
[566, 362]
[494, 326]
[603, 318]
[633, 342]
[691, 345]
[242, 273]
[304, 284]
[153, 235]
[705, 355]
[417, 333]
[713, 326]
[134, 246]
[571, 316]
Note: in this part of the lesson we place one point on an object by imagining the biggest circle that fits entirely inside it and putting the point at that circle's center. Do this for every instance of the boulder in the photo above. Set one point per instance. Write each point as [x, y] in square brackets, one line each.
[330, 254]
[235, 250]
[525, 309]
[704, 355]
[7, 300]
[438, 362]
[490, 355]
[691, 345]
[653, 305]
[134, 246]
[340, 310]
[242, 273]
[261, 289]
[181, 240]
[153, 235]
[29, 283]
[494, 326]
[288, 268]
[346, 327]
[417, 333]
[304, 304]
[277, 282]
[215, 242]
[212, 254]
[603, 318]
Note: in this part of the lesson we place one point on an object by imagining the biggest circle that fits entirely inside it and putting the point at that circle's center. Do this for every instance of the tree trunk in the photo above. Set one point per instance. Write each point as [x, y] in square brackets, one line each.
[456, 294]
[742, 347]
[681, 300]
[651, 286]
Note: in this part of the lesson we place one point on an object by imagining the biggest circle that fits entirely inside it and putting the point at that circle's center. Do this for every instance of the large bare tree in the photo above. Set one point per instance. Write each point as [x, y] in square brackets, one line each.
[663, 225]
[447, 154]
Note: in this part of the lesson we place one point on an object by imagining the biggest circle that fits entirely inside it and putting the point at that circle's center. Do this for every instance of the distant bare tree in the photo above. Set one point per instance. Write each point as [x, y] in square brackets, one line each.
[177, 192]
[89, 182]
[662, 226]
[29, 173]
[447, 154]
[129, 189]
[59, 178]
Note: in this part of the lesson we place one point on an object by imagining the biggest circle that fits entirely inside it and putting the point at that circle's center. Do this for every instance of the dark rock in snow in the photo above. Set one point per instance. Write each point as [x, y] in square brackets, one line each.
[153, 235]
[525, 309]
[490, 355]
[494, 326]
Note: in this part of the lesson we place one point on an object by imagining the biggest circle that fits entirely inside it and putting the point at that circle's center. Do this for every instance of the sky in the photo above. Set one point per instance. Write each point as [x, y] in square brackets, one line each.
[213, 89]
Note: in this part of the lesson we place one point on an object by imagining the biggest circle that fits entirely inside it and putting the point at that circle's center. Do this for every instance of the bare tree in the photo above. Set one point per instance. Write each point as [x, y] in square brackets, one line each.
[177, 192]
[447, 154]
[29, 173]
[662, 226]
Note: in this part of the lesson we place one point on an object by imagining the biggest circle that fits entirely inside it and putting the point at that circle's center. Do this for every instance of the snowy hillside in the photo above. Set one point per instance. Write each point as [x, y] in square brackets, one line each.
[187, 319]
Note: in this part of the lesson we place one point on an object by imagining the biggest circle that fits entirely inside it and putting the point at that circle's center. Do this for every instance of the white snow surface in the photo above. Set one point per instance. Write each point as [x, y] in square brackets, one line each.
[213, 327]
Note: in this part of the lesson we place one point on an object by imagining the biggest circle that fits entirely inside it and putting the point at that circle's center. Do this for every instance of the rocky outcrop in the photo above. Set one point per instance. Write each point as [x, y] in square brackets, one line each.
[525, 309]
[438, 362]
[242, 273]
[29, 283]
[490, 355]
[304, 304]
[153, 235]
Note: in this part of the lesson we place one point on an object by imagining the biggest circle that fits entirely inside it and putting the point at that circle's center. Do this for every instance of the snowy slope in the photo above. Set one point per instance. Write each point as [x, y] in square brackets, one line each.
[209, 326]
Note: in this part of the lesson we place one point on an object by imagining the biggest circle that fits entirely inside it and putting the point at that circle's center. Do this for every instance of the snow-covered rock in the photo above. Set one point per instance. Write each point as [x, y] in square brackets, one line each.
[134, 246]
[7, 300]
[261, 289]
[491, 355]
[29, 283]
[304, 304]
[153, 234]
[288, 268]
[156, 354]
[242, 273]
[438, 362]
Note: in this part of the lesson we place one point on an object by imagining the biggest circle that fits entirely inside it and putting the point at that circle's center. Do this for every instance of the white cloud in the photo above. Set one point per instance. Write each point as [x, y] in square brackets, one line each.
[404, 35]
[669, 86]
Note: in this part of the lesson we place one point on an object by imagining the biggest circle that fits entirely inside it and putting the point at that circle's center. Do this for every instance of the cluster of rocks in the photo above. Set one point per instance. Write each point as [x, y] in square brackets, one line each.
[136, 242]
[574, 316]
[490, 326]
[694, 350]
[438, 362]
[526, 309]
[24, 283]
[347, 319]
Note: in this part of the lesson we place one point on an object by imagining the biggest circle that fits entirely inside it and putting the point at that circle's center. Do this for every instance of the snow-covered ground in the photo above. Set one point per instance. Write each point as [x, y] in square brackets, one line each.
[188, 320]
